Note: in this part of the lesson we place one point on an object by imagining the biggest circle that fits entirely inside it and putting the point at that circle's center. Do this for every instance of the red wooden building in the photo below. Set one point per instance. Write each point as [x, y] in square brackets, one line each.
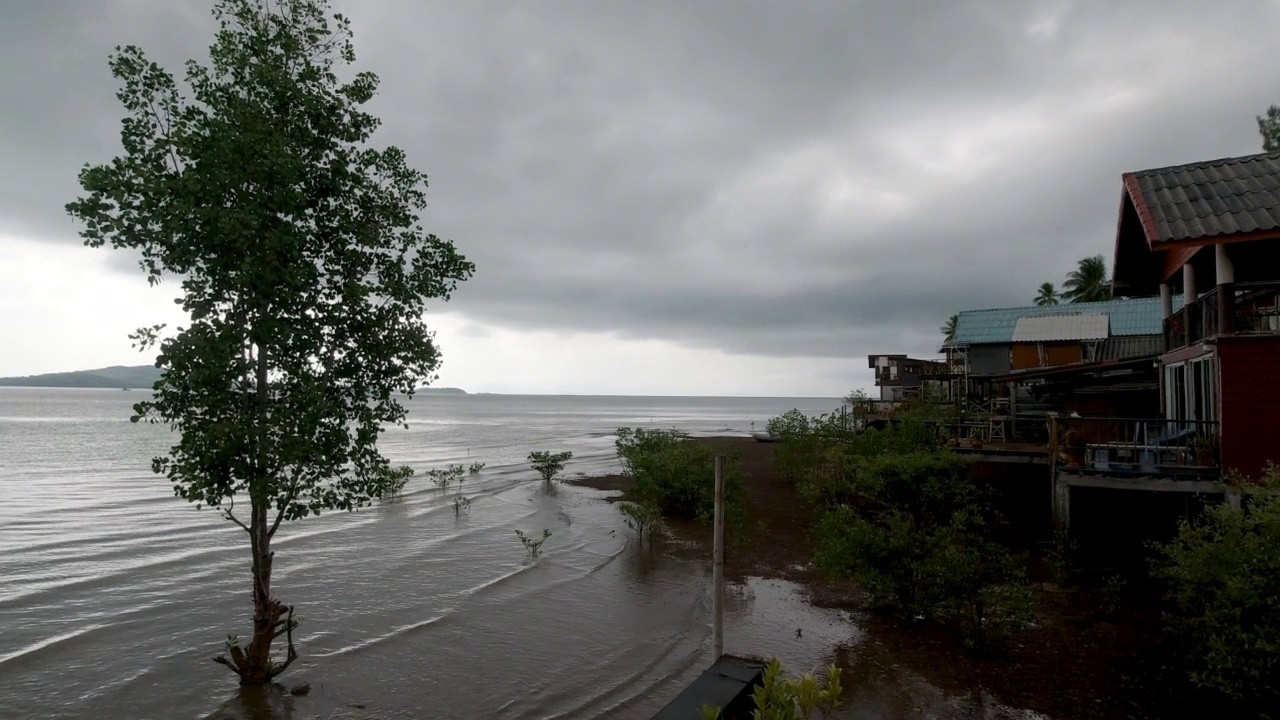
[1210, 231]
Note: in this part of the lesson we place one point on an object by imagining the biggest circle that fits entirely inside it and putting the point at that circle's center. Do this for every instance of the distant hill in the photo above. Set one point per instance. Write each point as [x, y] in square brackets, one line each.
[116, 376]
[134, 376]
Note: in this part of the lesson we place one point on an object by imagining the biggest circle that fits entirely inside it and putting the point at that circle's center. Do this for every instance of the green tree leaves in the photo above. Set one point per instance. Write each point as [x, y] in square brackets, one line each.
[302, 265]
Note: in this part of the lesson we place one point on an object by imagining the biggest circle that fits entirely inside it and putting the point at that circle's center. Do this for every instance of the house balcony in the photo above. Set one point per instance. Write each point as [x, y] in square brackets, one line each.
[1135, 447]
[1252, 309]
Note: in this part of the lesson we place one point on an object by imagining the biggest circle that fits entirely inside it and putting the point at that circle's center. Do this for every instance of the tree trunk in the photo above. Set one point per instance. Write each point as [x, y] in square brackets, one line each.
[271, 618]
[258, 667]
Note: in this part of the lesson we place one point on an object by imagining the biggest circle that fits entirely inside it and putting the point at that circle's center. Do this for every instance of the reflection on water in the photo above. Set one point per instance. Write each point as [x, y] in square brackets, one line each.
[114, 596]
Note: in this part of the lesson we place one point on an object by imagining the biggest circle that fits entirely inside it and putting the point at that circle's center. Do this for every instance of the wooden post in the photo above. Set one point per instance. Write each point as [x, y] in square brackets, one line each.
[717, 566]
[1053, 469]
[1062, 505]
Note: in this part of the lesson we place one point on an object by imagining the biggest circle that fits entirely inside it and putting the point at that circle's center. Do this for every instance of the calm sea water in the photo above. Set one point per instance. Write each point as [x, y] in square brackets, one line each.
[114, 595]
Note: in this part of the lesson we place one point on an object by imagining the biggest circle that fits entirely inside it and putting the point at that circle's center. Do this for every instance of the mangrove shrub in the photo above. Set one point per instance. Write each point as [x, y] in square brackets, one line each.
[1223, 575]
[676, 474]
[913, 530]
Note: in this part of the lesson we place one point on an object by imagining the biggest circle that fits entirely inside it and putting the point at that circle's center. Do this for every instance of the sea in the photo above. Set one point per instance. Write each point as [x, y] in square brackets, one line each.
[115, 595]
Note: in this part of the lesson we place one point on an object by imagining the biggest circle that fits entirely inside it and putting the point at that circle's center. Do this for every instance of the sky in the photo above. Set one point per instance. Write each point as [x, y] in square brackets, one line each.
[727, 197]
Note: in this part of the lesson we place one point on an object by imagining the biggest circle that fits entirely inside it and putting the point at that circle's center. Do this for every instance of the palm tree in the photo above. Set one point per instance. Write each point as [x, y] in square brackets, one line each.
[1048, 295]
[949, 329]
[1088, 282]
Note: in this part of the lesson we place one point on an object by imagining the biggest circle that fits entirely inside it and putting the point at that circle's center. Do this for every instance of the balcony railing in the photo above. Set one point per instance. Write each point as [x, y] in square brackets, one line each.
[1252, 309]
[1130, 445]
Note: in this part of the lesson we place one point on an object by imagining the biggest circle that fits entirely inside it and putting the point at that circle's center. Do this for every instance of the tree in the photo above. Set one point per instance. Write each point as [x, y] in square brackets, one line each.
[1089, 282]
[549, 464]
[948, 329]
[303, 270]
[1269, 129]
[1048, 295]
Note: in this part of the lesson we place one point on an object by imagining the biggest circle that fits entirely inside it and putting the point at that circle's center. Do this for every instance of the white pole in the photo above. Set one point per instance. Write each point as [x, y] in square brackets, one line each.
[717, 566]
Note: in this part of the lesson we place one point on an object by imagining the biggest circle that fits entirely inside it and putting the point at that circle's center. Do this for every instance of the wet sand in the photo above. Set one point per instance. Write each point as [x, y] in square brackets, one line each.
[1074, 664]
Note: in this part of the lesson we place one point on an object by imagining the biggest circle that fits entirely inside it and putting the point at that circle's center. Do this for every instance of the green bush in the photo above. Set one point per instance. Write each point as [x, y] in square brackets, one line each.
[913, 530]
[1223, 575]
[677, 474]
[641, 517]
[817, 453]
[781, 698]
[548, 464]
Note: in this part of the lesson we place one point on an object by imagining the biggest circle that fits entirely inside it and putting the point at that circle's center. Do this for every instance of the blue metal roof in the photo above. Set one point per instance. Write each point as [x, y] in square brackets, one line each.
[1129, 316]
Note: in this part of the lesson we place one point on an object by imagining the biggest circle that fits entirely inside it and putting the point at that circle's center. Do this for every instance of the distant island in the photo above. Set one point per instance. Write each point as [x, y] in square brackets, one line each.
[133, 376]
[116, 376]
[440, 391]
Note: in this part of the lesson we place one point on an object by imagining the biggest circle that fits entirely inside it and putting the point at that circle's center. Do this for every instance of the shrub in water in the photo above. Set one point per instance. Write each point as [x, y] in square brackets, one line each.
[446, 476]
[677, 474]
[460, 503]
[531, 546]
[641, 517]
[549, 464]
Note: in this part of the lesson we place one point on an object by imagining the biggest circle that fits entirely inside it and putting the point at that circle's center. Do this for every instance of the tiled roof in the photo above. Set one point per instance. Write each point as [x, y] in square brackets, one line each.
[1135, 316]
[1207, 199]
[1072, 326]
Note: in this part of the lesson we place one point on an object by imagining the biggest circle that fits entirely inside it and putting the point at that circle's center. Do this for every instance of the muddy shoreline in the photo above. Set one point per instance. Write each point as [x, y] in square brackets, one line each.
[1075, 663]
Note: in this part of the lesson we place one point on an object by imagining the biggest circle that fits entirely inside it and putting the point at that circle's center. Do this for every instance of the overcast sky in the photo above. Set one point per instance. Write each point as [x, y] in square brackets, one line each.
[673, 197]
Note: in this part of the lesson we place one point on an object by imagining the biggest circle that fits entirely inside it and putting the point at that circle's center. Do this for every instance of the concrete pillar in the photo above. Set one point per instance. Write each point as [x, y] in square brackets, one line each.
[1188, 297]
[1225, 274]
[1223, 269]
[1166, 300]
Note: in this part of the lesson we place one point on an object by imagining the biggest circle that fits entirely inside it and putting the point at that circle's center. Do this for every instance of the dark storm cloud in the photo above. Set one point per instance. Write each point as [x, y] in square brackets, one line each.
[769, 178]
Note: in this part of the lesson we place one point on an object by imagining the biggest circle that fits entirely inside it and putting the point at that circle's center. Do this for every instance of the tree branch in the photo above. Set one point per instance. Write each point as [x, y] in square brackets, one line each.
[228, 513]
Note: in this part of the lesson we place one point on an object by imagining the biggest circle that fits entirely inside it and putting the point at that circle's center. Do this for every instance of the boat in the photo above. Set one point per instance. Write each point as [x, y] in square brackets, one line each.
[762, 436]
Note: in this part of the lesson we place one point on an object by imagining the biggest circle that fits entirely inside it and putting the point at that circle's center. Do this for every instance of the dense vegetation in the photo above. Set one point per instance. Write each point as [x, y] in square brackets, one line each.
[1223, 575]
[675, 474]
[899, 514]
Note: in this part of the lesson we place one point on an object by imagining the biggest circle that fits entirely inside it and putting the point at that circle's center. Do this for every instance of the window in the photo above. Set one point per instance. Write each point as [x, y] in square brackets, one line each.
[1202, 398]
[1175, 391]
[1190, 390]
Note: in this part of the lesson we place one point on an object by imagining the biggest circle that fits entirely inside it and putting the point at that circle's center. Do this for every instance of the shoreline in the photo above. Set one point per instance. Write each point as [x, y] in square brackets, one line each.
[1073, 664]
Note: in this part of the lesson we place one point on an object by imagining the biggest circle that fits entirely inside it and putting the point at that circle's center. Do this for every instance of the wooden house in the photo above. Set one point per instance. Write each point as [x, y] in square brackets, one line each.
[1089, 358]
[901, 378]
[1209, 234]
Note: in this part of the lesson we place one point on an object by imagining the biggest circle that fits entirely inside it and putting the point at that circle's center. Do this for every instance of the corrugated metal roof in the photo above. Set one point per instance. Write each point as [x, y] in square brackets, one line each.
[1048, 328]
[1127, 348]
[1208, 199]
[1130, 316]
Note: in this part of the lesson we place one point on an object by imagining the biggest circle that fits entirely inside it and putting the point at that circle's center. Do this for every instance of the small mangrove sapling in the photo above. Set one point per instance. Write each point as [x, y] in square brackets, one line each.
[460, 503]
[641, 517]
[446, 476]
[476, 467]
[549, 464]
[531, 546]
